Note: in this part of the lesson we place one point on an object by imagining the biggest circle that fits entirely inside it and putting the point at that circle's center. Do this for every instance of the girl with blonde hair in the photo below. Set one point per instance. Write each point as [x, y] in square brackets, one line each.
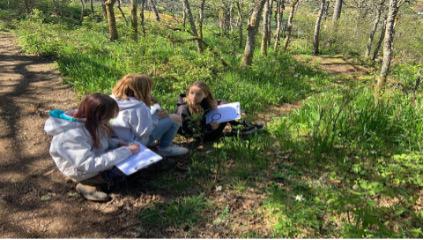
[139, 121]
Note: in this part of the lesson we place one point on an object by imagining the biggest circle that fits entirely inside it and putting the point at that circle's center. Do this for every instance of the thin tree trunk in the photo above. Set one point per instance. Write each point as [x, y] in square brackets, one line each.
[104, 9]
[224, 18]
[82, 10]
[251, 33]
[113, 32]
[337, 10]
[374, 29]
[380, 40]
[92, 7]
[290, 23]
[155, 10]
[122, 12]
[240, 23]
[271, 7]
[231, 16]
[201, 16]
[142, 19]
[264, 44]
[326, 10]
[388, 44]
[134, 23]
[184, 16]
[280, 9]
[193, 25]
[317, 28]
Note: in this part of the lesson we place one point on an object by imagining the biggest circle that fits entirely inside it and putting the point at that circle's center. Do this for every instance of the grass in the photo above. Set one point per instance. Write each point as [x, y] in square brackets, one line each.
[183, 212]
[343, 165]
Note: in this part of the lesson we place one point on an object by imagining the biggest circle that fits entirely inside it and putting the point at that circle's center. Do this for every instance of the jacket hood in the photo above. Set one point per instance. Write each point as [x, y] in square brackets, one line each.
[127, 103]
[60, 121]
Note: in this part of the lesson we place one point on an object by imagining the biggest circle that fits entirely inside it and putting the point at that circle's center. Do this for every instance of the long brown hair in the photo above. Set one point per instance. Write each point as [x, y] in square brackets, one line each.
[138, 86]
[209, 97]
[96, 109]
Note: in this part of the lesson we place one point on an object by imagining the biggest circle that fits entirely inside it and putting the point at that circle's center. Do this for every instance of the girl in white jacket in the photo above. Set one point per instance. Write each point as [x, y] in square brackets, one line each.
[139, 121]
[82, 147]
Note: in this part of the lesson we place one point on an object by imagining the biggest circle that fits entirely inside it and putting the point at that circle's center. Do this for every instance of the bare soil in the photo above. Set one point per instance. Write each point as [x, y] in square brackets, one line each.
[35, 199]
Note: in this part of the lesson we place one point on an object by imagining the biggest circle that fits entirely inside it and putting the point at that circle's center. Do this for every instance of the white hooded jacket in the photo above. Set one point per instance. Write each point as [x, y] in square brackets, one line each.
[134, 121]
[73, 152]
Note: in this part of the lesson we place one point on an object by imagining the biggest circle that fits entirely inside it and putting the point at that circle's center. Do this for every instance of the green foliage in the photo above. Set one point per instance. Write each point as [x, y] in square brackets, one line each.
[182, 212]
[363, 167]
[91, 63]
[355, 120]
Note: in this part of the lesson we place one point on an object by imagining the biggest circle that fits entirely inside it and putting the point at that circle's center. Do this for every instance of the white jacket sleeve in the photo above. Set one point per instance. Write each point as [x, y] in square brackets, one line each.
[140, 121]
[86, 162]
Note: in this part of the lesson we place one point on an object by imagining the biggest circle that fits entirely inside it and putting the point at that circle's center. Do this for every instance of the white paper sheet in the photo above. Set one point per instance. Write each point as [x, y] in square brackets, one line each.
[139, 161]
[224, 113]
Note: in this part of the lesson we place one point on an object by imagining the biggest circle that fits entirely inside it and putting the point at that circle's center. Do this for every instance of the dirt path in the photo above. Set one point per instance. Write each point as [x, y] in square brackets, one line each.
[35, 199]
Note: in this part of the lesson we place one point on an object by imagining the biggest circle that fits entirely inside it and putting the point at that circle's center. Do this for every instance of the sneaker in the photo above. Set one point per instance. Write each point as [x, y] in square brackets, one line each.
[172, 151]
[91, 193]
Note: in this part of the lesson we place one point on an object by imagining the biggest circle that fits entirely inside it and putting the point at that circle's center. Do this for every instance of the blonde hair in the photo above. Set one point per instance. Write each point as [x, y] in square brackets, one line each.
[138, 86]
[209, 97]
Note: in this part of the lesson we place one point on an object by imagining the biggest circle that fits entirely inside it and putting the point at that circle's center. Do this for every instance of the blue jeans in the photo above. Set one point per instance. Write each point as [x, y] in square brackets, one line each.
[165, 132]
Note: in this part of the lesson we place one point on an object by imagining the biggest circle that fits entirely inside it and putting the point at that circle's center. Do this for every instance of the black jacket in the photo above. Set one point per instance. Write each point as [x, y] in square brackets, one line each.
[193, 125]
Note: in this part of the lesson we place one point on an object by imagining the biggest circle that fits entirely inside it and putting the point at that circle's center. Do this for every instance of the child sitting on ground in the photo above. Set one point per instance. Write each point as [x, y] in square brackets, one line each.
[82, 147]
[193, 106]
[139, 121]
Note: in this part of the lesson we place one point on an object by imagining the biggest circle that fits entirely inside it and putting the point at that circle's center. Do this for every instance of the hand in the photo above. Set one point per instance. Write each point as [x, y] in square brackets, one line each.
[176, 118]
[134, 148]
[214, 126]
[162, 114]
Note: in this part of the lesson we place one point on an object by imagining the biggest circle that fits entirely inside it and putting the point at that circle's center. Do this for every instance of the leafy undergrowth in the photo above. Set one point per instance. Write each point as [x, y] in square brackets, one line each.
[342, 165]
[91, 63]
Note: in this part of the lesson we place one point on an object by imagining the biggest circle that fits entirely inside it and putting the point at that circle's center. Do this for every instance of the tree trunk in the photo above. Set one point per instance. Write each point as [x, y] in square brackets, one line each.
[134, 23]
[201, 16]
[82, 10]
[271, 7]
[113, 32]
[142, 19]
[280, 9]
[374, 29]
[317, 28]
[231, 16]
[380, 40]
[240, 23]
[224, 18]
[327, 6]
[193, 25]
[388, 44]
[122, 12]
[290, 23]
[337, 10]
[92, 7]
[251, 33]
[104, 9]
[264, 44]
[155, 10]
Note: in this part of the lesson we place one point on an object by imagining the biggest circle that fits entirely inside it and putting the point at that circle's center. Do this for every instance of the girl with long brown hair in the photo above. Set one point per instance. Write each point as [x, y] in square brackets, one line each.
[82, 147]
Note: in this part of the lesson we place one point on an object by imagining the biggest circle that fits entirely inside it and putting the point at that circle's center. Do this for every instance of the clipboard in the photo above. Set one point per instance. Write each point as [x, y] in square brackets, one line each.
[224, 113]
[144, 158]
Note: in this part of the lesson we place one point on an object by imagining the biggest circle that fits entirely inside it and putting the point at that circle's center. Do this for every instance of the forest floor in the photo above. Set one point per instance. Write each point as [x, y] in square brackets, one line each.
[37, 201]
